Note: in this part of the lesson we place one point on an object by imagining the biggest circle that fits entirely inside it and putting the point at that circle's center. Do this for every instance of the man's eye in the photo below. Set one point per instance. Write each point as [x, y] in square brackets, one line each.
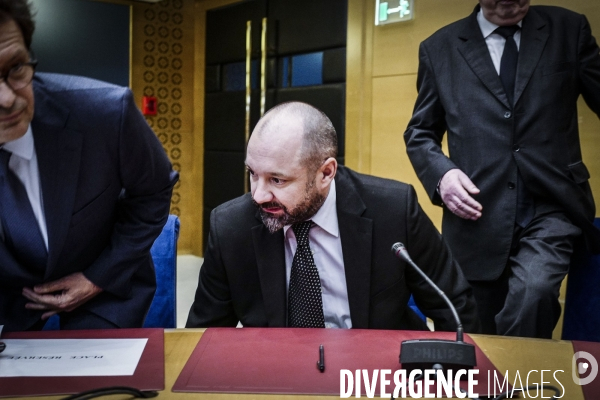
[17, 69]
[277, 181]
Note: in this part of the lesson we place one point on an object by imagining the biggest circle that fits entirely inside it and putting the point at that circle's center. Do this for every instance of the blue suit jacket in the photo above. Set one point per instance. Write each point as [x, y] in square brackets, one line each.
[106, 187]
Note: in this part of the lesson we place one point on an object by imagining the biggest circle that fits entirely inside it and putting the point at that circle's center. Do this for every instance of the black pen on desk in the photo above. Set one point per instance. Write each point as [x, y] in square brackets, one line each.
[321, 362]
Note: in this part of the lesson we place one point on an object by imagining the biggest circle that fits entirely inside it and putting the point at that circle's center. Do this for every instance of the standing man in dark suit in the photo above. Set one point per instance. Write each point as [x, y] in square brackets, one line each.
[310, 245]
[85, 189]
[503, 83]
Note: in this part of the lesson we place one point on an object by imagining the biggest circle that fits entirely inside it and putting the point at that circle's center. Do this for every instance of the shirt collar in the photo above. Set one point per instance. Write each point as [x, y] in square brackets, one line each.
[487, 28]
[22, 147]
[326, 217]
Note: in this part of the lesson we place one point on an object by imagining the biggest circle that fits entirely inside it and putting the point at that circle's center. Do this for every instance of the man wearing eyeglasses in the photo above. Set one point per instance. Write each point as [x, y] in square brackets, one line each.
[85, 189]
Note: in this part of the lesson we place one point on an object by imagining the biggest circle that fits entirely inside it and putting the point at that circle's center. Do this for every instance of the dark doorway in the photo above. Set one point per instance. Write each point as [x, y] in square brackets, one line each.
[300, 46]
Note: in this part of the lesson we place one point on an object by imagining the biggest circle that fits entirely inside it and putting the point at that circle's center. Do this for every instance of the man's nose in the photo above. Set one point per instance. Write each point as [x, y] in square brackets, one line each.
[7, 95]
[261, 193]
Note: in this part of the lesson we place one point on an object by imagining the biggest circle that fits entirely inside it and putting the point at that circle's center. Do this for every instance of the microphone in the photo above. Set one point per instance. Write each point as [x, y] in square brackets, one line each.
[424, 353]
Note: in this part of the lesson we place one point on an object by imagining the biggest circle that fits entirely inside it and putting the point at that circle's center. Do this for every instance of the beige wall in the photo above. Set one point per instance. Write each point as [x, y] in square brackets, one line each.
[382, 71]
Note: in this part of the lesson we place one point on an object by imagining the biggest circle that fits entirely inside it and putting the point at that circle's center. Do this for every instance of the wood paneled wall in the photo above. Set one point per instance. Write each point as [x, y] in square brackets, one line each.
[382, 72]
[162, 55]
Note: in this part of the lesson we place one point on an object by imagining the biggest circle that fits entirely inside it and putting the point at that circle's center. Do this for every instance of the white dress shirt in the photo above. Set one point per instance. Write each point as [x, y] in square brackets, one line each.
[495, 42]
[23, 163]
[326, 246]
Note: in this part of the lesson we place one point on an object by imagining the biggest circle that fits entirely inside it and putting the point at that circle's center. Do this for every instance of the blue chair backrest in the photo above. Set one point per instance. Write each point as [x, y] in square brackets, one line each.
[581, 318]
[413, 306]
[162, 313]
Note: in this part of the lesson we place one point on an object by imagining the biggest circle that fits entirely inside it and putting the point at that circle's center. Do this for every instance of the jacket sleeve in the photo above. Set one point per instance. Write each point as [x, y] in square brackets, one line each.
[425, 131]
[430, 252]
[147, 180]
[212, 304]
[589, 66]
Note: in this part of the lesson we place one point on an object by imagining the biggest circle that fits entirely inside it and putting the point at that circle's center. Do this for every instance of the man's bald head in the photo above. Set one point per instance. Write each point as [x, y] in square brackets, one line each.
[319, 140]
[291, 162]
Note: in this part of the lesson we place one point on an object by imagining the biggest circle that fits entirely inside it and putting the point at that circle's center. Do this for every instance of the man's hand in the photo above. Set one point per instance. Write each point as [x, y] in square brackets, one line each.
[65, 294]
[456, 189]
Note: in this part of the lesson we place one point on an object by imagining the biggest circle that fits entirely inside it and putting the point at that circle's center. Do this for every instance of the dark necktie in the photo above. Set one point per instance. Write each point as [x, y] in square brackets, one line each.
[305, 302]
[510, 57]
[21, 230]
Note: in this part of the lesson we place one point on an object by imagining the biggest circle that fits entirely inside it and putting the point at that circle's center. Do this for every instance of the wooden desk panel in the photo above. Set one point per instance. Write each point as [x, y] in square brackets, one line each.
[506, 353]
[524, 355]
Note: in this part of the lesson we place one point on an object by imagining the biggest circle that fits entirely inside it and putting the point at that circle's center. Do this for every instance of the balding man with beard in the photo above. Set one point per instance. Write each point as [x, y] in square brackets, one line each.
[309, 246]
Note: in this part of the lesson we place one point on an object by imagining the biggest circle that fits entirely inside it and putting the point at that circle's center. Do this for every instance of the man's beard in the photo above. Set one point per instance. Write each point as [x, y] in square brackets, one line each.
[313, 200]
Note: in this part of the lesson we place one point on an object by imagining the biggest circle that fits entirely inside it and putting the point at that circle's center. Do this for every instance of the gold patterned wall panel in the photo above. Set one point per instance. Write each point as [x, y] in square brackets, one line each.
[163, 67]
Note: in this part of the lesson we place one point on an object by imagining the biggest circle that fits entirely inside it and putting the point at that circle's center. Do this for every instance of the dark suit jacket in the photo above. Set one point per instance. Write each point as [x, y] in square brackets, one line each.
[460, 92]
[106, 187]
[243, 275]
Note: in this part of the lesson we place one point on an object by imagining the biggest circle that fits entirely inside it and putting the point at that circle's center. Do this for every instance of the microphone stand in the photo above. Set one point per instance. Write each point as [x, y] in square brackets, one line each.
[424, 353]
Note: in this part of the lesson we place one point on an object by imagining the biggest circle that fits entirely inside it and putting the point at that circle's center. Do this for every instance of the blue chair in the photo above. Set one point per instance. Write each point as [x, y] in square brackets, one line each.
[581, 317]
[413, 306]
[162, 313]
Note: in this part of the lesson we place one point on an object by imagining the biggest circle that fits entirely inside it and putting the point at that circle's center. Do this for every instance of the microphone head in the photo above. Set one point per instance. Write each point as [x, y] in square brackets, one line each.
[400, 251]
[396, 247]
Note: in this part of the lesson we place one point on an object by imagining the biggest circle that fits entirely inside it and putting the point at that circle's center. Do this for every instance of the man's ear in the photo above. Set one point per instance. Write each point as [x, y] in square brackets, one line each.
[327, 172]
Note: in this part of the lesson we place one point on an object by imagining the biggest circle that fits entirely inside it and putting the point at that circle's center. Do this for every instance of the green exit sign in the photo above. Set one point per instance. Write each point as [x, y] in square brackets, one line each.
[388, 12]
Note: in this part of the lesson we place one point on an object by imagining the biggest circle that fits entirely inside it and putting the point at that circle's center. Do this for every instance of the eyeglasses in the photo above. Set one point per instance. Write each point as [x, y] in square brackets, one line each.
[20, 75]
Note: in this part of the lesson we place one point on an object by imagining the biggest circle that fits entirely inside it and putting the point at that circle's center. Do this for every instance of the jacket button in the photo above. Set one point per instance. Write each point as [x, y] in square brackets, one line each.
[507, 114]
[511, 185]
[515, 148]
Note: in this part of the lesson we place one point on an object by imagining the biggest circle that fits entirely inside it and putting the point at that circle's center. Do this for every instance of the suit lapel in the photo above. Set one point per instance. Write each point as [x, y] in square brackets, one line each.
[534, 35]
[474, 50]
[58, 150]
[356, 234]
[270, 257]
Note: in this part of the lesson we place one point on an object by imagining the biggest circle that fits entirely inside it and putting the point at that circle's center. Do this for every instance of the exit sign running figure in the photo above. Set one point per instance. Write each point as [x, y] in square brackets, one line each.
[388, 12]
